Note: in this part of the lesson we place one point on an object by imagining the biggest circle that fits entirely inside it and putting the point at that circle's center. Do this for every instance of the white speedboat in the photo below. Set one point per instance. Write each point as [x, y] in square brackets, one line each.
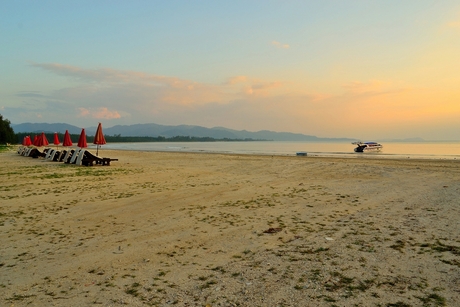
[367, 146]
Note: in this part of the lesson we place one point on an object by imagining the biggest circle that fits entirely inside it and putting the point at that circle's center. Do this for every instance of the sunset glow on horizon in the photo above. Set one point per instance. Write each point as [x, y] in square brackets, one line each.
[361, 69]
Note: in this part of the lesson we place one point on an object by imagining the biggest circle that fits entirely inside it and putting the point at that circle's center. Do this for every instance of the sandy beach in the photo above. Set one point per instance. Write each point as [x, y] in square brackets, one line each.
[196, 229]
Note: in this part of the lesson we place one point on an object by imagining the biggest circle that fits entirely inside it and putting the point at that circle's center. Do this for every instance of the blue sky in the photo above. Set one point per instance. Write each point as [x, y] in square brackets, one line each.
[361, 69]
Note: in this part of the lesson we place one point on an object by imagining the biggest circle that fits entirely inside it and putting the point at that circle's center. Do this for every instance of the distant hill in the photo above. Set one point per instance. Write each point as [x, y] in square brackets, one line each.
[155, 130]
[48, 128]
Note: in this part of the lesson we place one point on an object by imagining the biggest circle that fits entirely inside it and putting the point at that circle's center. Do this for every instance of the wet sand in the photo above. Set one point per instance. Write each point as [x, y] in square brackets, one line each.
[195, 229]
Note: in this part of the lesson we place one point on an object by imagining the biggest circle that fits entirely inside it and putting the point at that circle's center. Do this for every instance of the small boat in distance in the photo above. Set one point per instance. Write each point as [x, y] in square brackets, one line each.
[367, 146]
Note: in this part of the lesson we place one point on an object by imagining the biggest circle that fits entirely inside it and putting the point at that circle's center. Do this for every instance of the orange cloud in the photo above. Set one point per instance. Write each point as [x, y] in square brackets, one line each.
[104, 113]
[153, 88]
[454, 24]
[280, 45]
[99, 113]
[364, 87]
[83, 112]
[261, 88]
[237, 79]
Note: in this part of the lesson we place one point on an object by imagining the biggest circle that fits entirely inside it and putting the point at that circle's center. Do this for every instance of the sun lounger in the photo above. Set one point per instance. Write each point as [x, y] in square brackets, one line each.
[35, 153]
[50, 155]
[80, 157]
[61, 156]
[47, 153]
[90, 159]
[23, 150]
[56, 156]
[74, 156]
[67, 156]
[26, 151]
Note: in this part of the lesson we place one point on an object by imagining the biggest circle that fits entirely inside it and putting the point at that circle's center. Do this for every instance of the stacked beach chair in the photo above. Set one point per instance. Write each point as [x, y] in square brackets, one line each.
[71, 156]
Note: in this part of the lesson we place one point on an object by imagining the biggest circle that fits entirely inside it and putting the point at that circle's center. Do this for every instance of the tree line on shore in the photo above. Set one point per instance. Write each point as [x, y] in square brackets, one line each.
[8, 136]
[134, 139]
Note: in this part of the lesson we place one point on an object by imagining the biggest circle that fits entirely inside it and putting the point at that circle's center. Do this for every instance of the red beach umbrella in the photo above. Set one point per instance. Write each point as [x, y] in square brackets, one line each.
[28, 141]
[56, 139]
[38, 142]
[82, 140]
[41, 140]
[44, 140]
[24, 141]
[67, 141]
[35, 142]
[99, 138]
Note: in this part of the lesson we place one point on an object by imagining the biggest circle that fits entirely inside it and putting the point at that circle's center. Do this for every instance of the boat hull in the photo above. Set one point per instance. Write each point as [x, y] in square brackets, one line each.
[368, 147]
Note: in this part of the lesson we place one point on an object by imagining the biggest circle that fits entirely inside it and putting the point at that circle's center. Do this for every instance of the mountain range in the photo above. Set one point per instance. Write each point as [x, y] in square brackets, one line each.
[155, 130]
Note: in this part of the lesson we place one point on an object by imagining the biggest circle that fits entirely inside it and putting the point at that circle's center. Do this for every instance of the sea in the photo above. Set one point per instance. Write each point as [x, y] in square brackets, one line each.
[421, 150]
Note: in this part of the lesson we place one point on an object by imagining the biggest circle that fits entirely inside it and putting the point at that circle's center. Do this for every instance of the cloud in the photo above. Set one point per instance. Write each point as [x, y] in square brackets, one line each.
[122, 96]
[280, 45]
[454, 24]
[112, 77]
[160, 88]
[253, 86]
[153, 90]
[99, 113]
[239, 102]
[104, 113]
[266, 85]
[364, 87]
[261, 87]
[83, 112]
[237, 79]
[373, 88]
[34, 94]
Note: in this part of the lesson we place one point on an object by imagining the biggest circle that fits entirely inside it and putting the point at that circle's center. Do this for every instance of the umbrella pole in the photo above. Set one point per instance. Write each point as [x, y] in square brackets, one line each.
[97, 150]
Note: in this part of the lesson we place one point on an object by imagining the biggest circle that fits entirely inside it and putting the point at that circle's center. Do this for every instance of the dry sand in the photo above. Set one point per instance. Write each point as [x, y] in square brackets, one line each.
[185, 229]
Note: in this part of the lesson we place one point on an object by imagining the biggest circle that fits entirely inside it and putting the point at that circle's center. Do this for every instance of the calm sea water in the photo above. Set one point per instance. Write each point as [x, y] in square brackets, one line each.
[426, 150]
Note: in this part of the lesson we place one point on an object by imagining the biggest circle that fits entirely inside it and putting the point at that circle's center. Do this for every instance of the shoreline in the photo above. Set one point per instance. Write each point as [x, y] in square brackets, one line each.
[451, 153]
[338, 156]
[290, 148]
[351, 155]
[198, 229]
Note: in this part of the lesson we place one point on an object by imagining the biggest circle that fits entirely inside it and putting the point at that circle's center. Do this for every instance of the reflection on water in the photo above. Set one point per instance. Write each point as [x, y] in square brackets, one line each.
[434, 150]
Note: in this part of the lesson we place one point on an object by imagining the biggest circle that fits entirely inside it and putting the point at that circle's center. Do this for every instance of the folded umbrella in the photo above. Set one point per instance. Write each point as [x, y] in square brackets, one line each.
[99, 138]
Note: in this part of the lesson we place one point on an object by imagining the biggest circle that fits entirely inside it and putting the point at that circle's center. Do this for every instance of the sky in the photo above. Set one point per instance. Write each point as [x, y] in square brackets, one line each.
[369, 70]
